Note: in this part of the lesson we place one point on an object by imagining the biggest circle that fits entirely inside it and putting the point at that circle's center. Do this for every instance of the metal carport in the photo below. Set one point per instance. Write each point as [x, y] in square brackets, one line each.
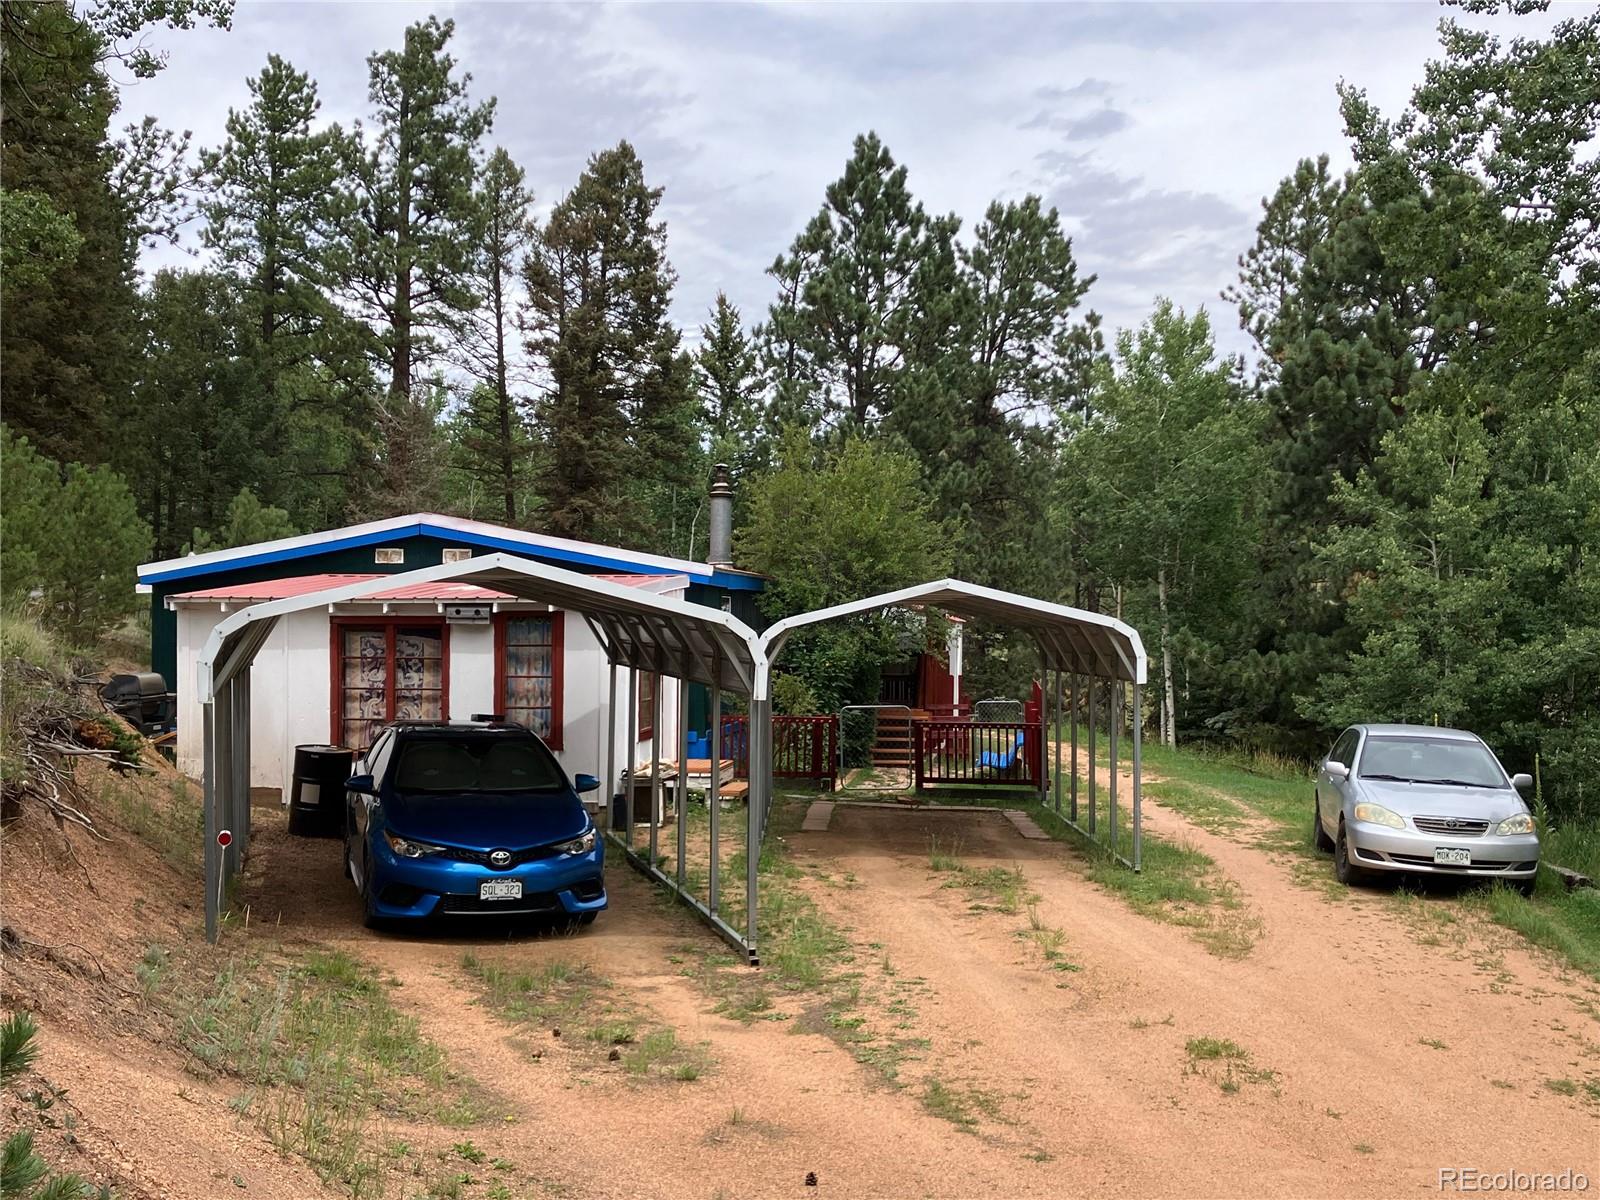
[645, 632]
[637, 630]
[1097, 653]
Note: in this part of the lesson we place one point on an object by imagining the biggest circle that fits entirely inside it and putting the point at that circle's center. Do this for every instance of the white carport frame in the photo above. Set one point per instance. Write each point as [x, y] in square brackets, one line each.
[1097, 653]
[638, 630]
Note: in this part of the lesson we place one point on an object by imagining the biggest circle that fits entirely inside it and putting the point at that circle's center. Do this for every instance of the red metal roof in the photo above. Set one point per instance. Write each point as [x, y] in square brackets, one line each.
[301, 585]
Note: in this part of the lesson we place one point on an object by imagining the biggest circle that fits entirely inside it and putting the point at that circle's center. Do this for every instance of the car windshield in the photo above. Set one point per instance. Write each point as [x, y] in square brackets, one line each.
[1430, 760]
[476, 764]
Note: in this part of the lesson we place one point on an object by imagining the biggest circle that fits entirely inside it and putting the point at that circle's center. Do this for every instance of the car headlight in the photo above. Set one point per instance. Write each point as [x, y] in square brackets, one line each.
[406, 848]
[1521, 823]
[1377, 814]
[581, 844]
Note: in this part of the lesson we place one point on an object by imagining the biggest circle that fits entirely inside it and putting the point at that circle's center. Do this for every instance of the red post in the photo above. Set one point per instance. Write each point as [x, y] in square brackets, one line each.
[918, 730]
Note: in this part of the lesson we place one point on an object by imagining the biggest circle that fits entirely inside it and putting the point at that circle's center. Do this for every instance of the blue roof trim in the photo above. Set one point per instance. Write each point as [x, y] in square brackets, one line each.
[722, 579]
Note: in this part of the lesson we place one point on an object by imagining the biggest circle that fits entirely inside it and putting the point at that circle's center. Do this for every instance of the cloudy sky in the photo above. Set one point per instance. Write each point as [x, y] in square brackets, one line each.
[1155, 129]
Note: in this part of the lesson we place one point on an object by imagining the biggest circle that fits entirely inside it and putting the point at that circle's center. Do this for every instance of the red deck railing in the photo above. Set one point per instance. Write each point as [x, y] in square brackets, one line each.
[802, 747]
[954, 752]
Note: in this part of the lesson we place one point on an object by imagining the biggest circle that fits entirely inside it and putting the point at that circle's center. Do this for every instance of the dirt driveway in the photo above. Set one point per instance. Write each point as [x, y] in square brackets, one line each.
[1340, 1057]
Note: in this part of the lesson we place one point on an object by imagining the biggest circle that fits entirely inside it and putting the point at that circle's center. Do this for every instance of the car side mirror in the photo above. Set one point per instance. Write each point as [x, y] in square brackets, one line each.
[1336, 768]
[1522, 781]
[361, 784]
[584, 783]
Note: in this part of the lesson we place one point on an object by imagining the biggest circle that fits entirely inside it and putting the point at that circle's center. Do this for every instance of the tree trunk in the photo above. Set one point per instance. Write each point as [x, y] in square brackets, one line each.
[508, 463]
[1169, 733]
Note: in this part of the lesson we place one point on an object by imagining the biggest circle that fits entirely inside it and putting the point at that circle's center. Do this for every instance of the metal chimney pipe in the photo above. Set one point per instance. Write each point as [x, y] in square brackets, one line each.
[720, 553]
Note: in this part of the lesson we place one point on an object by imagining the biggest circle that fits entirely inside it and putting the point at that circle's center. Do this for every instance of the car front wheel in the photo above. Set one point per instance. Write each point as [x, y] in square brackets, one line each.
[369, 898]
[1345, 871]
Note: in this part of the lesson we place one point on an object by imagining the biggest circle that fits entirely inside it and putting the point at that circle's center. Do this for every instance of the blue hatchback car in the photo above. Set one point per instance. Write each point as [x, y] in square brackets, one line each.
[470, 819]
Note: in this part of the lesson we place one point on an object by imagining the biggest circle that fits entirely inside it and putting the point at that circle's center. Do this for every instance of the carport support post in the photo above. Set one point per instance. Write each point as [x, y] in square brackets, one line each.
[714, 796]
[1073, 761]
[756, 800]
[1114, 712]
[1056, 760]
[213, 852]
[1138, 786]
[608, 776]
[656, 733]
[631, 750]
[683, 775]
[1093, 769]
[239, 685]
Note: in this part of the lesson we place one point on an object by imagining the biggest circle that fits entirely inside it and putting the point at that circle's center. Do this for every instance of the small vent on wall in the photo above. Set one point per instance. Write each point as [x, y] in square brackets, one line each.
[457, 554]
[389, 556]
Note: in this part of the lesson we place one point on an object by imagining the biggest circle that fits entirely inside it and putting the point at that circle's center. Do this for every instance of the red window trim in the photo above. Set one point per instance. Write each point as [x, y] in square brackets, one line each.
[558, 680]
[646, 715]
[388, 623]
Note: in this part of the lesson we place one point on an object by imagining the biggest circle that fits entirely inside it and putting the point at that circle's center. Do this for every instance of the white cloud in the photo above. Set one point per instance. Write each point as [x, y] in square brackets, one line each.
[1156, 128]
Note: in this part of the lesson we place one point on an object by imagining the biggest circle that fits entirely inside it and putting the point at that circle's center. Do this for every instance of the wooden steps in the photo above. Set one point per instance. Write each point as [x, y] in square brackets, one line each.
[893, 747]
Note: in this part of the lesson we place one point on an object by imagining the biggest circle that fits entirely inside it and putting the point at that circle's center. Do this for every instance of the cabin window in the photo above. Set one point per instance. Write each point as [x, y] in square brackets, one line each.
[389, 556]
[457, 554]
[646, 713]
[386, 671]
[529, 671]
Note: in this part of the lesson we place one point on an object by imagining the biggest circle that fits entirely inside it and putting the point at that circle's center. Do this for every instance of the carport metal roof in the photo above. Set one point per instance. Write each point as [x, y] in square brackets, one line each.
[635, 627]
[1069, 639]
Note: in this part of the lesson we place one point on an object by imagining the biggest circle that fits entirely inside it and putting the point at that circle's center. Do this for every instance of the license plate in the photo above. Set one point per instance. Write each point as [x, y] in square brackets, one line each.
[500, 889]
[1445, 857]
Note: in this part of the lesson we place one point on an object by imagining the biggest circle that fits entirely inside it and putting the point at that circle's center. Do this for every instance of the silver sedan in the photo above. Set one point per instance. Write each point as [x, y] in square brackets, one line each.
[1416, 798]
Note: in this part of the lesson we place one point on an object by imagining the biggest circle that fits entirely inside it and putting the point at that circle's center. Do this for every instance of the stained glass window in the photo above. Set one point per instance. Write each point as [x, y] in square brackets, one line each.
[531, 673]
[387, 673]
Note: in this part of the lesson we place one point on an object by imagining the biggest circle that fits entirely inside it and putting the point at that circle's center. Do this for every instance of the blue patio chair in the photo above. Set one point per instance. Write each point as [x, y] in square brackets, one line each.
[1001, 760]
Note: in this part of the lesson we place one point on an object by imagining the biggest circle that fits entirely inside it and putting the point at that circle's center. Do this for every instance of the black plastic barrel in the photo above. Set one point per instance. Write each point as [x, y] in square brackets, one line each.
[316, 802]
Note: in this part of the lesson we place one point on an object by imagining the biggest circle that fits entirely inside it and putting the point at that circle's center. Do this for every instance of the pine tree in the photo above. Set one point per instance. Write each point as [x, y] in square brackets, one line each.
[850, 297]
[65, 332]
[1003, 348]
[409, 473]
[246, 522]
[275, 208]
[727, 376]
[73, 535]
[492, 430]
[201, 427]
[407, 249]
[616, 415]
[274, 201]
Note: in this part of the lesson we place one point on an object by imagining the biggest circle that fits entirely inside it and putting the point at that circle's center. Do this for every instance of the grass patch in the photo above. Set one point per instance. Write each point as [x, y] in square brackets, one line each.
[554, 995]
[173, 825]
[573, 1002]
[992, 888]
[944, 855]
[1182, 885]
[1562, 1087]
[323, 1051]
[948, 1104]
[1225, 1063]
[1221, 792]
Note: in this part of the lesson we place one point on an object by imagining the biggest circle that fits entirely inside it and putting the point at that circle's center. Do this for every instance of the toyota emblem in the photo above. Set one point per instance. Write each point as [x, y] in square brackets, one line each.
[1452, 823]
[500, 858]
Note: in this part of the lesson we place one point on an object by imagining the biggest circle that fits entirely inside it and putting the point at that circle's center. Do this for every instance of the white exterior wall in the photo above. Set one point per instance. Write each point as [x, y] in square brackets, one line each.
[291, 693]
